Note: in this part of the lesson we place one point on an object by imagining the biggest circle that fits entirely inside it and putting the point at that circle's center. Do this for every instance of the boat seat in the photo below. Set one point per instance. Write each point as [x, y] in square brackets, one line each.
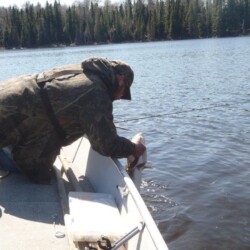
[94, 215]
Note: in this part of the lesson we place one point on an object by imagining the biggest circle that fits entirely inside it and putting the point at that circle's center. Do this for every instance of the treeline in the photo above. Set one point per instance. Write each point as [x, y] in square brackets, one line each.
[88, 22]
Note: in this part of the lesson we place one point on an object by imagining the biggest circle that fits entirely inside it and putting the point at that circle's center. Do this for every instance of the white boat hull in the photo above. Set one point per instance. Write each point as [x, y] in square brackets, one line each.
[107, 175]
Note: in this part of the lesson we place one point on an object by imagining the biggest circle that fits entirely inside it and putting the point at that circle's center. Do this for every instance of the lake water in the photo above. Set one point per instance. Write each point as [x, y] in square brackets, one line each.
[198, 186]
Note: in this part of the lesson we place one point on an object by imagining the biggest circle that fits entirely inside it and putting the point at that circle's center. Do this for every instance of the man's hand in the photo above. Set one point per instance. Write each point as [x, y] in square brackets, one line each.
[140, 148]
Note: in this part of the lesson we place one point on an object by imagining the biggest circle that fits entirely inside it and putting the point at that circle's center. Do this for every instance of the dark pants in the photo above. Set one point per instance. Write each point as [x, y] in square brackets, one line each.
[6, 163]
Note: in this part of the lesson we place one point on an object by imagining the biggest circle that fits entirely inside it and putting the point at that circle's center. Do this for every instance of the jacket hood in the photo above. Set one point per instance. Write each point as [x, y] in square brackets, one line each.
[107, 71]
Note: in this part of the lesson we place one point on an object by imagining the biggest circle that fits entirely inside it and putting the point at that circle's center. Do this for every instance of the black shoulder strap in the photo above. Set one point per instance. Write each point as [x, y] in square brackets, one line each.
[46, 101]
[50, 113]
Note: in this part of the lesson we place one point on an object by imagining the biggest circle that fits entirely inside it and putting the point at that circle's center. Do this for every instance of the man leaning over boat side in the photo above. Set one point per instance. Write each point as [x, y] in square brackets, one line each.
[41, 113]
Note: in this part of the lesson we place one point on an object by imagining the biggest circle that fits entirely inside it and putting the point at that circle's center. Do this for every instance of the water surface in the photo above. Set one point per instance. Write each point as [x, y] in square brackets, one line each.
[198, 187]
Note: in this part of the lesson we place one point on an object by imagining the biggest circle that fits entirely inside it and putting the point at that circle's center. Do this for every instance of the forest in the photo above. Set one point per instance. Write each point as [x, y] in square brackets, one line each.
[90, 22]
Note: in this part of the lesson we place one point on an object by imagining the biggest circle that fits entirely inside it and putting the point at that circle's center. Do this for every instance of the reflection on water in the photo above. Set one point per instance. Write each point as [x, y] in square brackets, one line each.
[198, 189]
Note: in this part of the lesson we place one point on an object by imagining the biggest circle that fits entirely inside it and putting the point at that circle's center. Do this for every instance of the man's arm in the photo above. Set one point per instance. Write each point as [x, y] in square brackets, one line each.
[102, 134]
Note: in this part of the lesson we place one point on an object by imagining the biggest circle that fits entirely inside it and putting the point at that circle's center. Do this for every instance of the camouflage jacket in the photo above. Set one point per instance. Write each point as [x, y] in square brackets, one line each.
[82, 104]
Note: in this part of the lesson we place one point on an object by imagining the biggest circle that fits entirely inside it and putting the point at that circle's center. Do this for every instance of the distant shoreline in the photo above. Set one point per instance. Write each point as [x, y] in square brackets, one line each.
[109, 43]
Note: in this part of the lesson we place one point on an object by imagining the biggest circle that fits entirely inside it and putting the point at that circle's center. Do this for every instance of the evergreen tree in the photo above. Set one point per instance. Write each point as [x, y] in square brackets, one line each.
[86, 22]
[160, 19]
[69, 28]
[1, 36]
[217, 19]
[57, 22]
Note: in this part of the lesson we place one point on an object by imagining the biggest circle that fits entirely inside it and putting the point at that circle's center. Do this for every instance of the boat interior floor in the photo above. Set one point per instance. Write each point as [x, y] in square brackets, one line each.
[31, 215]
